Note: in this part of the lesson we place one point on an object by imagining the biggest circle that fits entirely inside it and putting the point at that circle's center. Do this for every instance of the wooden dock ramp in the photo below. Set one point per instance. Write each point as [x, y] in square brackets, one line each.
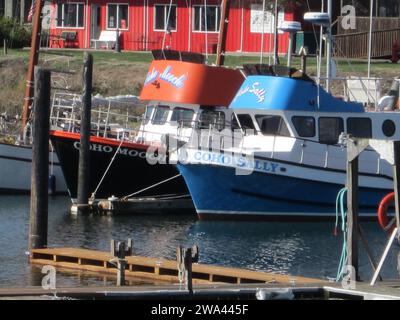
[158, 270]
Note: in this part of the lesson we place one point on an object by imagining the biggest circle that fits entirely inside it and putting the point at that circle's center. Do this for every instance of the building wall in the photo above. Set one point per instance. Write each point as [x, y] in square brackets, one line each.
[140, 34]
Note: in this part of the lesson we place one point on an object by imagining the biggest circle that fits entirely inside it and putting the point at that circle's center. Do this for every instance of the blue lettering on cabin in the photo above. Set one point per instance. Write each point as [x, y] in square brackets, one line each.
[240, 162]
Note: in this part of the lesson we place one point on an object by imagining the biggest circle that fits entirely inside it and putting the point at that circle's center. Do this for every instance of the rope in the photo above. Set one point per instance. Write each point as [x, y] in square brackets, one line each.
[152, 186]
[340, 209]
[108, 168]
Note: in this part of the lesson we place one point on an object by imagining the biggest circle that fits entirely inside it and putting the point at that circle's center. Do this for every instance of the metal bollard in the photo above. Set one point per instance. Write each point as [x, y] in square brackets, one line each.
[120, 250]
[185, 258]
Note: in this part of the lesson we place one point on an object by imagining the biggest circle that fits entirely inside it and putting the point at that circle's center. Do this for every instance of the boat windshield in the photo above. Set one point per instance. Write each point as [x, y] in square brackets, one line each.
[148, 113]
[161, 115]
[212, 119]
[183, 117]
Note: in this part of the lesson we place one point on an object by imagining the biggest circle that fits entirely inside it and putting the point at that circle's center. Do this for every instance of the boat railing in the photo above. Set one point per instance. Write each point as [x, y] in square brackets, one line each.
[367, 91]
[106, 119]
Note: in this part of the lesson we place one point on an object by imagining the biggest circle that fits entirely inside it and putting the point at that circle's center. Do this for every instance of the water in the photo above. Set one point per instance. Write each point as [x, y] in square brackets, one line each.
[306, 249]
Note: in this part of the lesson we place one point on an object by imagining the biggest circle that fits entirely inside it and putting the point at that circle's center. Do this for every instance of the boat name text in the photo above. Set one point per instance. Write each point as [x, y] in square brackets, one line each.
[167, 75]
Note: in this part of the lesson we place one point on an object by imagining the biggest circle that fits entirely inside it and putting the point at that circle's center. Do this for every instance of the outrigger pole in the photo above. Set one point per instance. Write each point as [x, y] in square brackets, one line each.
[225, 5]
[33, 60]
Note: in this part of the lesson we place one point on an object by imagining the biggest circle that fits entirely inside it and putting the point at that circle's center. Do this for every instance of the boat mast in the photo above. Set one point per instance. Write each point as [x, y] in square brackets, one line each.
[223, 26]
[33, 60]
[329, 47]
[370, 38]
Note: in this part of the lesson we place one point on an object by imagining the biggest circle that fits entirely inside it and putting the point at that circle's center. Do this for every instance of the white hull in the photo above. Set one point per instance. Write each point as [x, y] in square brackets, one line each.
[15, 170]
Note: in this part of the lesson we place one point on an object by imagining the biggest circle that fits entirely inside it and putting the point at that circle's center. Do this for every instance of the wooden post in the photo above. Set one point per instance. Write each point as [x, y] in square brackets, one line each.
[33, 60]
[40, 161]
[352, 214]
[117, 42]
[276, 34]
[221, 47]
[5, 46]
[396, 180]
[84, 150]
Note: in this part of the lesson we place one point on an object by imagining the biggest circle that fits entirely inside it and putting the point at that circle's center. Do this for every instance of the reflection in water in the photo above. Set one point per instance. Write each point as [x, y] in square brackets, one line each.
[307, 249]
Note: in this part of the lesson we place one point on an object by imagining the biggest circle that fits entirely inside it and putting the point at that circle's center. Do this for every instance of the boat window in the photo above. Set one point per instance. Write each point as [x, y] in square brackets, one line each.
[212, 119]
[147, 114]
[161, 115]
[359, 127]
[330, 129]
[183, 116]
[305, 126]
[272, 125]
[388, 128]
[246, 122]
[234, 123]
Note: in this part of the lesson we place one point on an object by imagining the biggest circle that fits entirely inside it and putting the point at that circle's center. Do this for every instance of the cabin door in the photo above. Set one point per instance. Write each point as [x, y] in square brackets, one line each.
[95, 22]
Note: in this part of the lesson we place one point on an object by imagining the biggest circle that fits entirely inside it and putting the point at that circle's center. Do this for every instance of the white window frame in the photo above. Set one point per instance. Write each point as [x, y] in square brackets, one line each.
[166, 7]
[77, 16]
[117, 4]
[202, 8]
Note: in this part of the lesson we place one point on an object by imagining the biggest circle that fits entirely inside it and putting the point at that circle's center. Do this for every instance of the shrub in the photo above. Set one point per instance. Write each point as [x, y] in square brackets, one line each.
[17, 36]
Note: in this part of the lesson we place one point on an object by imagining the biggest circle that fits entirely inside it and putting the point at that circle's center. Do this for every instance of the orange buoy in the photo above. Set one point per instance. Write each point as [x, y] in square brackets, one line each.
[382, 210]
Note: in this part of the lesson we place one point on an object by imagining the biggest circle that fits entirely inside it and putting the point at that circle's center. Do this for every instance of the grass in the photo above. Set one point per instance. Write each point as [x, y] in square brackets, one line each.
[124, 73]
[232, 60]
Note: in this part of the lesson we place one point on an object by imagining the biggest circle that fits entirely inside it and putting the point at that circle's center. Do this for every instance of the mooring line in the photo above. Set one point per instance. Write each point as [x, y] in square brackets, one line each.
[152, 186]
[108, 168]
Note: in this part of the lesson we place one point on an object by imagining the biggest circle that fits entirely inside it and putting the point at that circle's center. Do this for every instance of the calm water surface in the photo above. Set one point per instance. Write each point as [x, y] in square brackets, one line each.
[307, 249]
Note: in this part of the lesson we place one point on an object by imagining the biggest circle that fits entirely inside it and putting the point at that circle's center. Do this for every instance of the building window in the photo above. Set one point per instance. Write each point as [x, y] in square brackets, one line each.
[70, 15]
[359, 127]
[161, 22]
[330, 130]
[117, 16]
[305, 126]
[1, 8]
[272, 125]
[206, 18]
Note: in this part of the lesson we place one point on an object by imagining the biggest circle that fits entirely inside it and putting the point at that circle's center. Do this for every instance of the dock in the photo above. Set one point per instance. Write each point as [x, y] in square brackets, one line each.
[158, 270]
[151, 205]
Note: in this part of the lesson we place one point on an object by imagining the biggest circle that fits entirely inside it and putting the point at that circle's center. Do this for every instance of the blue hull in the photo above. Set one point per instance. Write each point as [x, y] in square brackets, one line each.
[219, 194]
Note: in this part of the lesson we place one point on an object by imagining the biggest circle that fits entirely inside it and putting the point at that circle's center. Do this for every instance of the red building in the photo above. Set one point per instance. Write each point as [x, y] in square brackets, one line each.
[142, 24]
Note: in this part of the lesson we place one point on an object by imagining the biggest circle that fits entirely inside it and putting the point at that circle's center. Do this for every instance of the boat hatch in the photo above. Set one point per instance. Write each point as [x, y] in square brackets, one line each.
[275, 71]
[178, 56]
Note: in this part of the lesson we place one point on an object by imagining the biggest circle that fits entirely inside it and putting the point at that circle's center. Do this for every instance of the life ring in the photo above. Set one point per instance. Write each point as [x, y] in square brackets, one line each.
[382, 211]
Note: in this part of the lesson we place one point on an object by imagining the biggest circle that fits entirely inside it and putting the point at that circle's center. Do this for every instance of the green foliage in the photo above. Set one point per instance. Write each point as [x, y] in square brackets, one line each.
[17, 36]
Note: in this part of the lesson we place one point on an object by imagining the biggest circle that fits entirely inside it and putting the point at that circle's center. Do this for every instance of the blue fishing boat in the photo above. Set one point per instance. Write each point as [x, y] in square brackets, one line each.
[287, 162]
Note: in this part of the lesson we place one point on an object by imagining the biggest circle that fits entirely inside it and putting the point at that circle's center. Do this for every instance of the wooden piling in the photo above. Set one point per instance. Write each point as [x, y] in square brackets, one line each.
[117, 42]
[40, 161]
[84, 150]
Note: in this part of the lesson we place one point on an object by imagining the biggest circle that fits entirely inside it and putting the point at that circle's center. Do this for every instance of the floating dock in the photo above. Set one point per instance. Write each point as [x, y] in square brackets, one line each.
[152, 205]
[159, 270]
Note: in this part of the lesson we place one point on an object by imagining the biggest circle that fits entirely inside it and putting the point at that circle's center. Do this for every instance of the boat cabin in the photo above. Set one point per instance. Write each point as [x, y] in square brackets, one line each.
[287, 103]
[183, 93]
